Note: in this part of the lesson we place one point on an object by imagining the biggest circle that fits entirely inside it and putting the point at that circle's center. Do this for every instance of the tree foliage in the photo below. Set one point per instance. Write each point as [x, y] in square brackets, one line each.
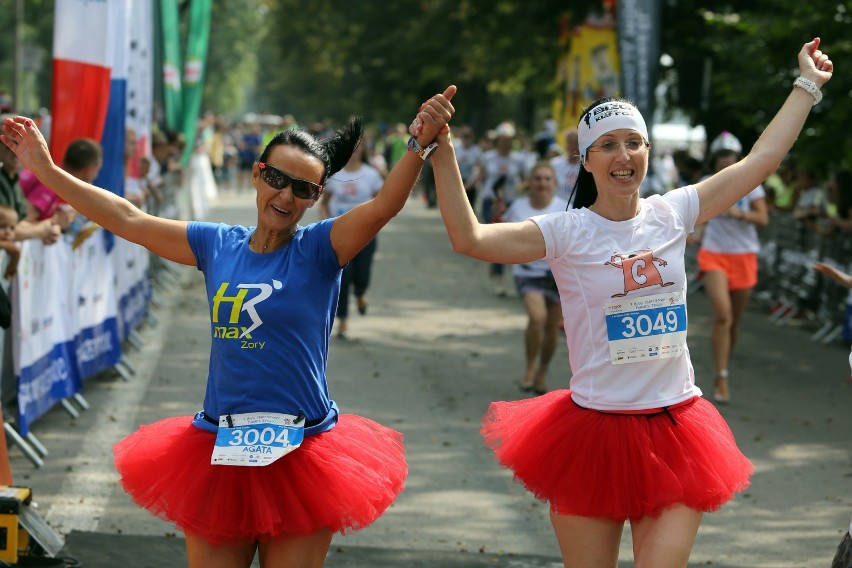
[383, 58]
[734, 64]
[237, 32]
[733, 60]
[37, 36]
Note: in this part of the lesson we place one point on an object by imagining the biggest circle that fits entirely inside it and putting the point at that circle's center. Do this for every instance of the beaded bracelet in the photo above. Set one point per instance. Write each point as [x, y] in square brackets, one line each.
[810, 87]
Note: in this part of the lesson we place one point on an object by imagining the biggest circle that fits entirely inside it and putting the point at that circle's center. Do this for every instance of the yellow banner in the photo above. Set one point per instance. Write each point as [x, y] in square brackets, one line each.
[587, 71]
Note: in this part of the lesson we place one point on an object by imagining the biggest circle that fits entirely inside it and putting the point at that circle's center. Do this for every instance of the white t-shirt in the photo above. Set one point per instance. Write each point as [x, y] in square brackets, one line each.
[520, 210]
[495, 167]
[467, 157]
[733, 236]
[566, 175]
[350, 188]
[603, 270]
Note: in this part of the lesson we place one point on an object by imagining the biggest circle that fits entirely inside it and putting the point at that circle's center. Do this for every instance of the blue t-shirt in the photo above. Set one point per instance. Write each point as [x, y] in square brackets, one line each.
[271, 317]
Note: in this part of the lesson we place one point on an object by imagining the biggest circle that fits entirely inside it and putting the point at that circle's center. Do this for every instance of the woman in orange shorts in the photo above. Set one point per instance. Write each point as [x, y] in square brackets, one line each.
[727, 261]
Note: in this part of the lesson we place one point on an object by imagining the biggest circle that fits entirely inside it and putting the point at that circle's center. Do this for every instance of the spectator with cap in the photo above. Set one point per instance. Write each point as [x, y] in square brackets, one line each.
[727, 261]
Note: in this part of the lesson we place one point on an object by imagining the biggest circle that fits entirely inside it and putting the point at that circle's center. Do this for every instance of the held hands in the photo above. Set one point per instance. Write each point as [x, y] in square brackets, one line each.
[23, 137]
[49, 232]
[433, 116]
[814, 64]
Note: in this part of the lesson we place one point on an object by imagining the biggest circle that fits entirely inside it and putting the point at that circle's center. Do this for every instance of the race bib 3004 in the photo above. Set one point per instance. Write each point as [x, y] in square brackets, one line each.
[256, 438]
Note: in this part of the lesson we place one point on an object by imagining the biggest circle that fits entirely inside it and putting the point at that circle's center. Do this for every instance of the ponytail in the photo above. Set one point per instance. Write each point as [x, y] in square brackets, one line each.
[340, 147]
[585, 191]
[333, 152]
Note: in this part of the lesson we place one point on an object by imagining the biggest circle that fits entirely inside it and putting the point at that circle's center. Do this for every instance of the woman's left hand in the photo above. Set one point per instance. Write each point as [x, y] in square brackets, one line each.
[814, 64]
[433, 116]
[23, 137]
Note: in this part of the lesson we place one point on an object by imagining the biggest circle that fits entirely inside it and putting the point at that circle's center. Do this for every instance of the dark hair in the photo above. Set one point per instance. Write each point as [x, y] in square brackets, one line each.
[715, 156]
[82, 153]
[585, 190]
[333, 152]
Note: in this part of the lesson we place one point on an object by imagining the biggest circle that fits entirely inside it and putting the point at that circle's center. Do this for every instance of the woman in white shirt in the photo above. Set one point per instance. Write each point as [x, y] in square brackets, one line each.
[727, 261]
[632, 439]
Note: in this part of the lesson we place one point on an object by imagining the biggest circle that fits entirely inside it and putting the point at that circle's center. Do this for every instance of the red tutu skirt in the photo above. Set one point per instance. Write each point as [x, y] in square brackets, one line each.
[617, 466]
[340, 480]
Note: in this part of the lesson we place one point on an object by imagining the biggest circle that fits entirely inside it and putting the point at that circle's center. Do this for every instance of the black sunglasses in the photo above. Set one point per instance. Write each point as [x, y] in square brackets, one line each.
[278, 179]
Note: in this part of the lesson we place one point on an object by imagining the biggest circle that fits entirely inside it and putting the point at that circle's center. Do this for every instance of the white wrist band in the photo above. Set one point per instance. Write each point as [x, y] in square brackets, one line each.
[810, 87]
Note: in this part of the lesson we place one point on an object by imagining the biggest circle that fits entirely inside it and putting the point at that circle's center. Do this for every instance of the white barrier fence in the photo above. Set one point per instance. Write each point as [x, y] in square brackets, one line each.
[74, 304]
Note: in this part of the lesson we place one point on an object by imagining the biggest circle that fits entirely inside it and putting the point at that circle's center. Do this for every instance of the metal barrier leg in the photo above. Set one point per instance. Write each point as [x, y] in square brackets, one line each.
[36, 444]
[124, 363]
[821, 332]
[69, 408]
[171, 269]
[780, 311]
[835, 333]
[81, 402]
[694, 286]
[788, 316]
[134, 339]
[122, 372]
[152, 320]
[16, 439]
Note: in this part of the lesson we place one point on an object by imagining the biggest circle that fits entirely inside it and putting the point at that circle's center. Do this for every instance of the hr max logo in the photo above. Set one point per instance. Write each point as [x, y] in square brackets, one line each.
[238, 304]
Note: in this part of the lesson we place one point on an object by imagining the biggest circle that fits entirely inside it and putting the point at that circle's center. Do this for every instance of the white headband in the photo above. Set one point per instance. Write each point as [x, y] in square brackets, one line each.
[607, 117]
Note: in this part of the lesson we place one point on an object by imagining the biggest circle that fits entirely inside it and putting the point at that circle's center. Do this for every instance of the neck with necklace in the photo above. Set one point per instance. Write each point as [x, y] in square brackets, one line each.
[273, 243]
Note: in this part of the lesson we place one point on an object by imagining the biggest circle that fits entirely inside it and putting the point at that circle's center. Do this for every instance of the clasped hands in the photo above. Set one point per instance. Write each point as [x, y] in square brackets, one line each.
[433, 116]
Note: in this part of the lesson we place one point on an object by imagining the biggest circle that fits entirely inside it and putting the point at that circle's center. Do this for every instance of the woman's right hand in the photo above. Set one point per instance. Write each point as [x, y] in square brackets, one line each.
[23, 137]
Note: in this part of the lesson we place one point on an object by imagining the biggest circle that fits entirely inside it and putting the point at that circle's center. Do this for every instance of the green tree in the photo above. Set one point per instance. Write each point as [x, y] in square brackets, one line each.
[734, 64]
[238, 31]
[382, 59]
[38, 48]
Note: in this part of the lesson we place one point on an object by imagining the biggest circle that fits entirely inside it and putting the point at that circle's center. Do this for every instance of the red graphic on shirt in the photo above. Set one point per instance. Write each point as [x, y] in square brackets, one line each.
[638, 269]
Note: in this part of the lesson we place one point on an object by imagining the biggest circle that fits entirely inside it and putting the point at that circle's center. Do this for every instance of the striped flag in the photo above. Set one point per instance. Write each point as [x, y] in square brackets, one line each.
[111, 176]
[81, 71]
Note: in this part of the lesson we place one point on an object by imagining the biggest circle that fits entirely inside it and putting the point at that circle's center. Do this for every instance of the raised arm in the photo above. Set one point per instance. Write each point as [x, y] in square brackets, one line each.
[357, 227]
[164, 237]
[505, 243]
[721, 190]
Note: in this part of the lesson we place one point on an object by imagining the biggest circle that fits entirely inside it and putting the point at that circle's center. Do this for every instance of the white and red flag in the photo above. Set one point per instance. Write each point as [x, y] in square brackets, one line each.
[81, 71]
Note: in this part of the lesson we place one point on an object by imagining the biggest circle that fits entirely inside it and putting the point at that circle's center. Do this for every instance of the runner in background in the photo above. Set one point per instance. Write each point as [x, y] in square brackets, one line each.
[727, 261]
[358, 182]
[535, 282]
